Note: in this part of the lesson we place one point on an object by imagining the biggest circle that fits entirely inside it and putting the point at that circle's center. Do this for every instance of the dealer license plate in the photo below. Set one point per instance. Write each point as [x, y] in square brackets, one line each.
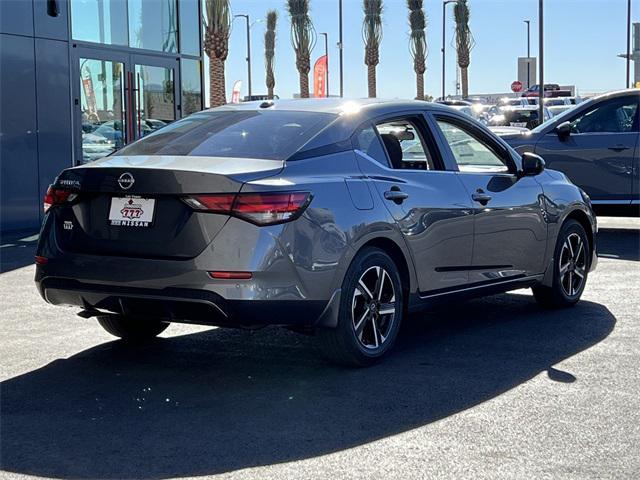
[131, 211]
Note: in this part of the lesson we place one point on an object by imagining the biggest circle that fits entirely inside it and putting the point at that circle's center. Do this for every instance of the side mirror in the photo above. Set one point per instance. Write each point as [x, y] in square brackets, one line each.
[563, 130]
[532, 164]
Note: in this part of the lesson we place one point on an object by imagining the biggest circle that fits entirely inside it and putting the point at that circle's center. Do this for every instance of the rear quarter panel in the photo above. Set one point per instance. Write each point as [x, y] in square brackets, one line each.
[338, 222]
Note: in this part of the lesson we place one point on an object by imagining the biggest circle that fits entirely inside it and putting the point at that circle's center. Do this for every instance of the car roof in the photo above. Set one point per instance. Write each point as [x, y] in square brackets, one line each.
[369, 107]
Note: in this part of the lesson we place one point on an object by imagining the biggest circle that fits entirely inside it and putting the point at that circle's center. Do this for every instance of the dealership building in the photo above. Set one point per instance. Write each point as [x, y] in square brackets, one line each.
[81, 78]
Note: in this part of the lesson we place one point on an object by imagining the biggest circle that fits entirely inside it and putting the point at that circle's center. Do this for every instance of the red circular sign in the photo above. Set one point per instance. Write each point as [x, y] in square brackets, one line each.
[516, 86]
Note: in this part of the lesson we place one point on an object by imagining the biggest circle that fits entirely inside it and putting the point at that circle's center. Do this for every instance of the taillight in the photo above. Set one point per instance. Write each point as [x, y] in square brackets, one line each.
[258, 208]
[55, 196]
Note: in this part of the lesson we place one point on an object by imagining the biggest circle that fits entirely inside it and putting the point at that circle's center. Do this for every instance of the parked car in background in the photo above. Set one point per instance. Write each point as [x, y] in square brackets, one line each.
[527, 117]
[596, 144]
[325, 216]
[550, 90]
[513, 102]
[453, 102]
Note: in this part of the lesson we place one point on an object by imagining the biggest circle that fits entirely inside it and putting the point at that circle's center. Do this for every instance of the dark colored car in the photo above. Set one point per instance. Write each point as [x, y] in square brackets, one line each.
[331, 217]
[550, 90]
[524, 116]
[596, 144]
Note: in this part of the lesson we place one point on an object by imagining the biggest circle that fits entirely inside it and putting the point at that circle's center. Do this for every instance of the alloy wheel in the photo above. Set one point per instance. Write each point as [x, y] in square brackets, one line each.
[573, 264]
[373, 307]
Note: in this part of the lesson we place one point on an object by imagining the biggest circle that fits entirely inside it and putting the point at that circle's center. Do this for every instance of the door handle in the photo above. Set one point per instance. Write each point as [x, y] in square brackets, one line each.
[619, 148]
[396, 195]
[481, 197]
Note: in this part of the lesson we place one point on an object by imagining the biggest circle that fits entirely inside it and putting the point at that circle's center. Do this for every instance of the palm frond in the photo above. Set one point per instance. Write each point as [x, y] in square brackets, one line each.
[218, 17]
[303, 35]
[372, 24]
[464, 39]
[417, 37]
[270, 47]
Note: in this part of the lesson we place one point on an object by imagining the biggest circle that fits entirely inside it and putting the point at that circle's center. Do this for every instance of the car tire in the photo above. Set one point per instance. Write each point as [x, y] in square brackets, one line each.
[132, 329]
[571, 262]
[369, 317]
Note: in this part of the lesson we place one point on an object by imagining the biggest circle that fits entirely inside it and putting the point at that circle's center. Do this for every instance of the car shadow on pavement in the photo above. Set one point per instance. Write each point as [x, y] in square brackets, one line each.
[222, 400]
[619, 243]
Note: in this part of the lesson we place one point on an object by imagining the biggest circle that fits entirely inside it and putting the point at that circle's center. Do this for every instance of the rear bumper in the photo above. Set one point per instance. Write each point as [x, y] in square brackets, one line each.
[183, 305]
[286, 287]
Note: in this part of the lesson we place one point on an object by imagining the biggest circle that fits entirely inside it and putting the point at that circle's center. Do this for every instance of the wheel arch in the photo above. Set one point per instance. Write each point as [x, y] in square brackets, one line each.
[329, 318]
[392, 249]
[583, 219]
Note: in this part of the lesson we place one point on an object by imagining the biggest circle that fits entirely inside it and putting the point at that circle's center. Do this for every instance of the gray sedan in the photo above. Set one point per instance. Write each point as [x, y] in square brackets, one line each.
[596, 144]
[329, 217]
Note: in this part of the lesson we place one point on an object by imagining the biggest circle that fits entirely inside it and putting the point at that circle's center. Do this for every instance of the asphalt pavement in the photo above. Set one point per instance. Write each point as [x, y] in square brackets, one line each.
[494, 388]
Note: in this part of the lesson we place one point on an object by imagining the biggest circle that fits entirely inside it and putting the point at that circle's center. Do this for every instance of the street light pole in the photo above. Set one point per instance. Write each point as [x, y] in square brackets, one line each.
[541, 54]
[628, 82]
[528, 22]
[326, 54]
[444, 38]
[246, 17]
[340, 47]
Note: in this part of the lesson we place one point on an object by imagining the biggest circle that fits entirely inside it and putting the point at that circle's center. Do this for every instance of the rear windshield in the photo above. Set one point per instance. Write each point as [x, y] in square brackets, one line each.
[270, 135]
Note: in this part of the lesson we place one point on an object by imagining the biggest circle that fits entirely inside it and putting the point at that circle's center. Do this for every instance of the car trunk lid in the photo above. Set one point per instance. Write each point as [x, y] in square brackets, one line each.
[132, 206]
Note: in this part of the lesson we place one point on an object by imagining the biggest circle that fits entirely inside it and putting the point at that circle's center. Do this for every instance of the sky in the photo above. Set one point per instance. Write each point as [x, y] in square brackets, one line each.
[582, 41]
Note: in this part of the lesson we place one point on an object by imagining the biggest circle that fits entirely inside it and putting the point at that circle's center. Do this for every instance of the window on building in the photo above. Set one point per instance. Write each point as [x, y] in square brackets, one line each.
[100, 21]
[153, 25]
[189, 27]
[191, 76]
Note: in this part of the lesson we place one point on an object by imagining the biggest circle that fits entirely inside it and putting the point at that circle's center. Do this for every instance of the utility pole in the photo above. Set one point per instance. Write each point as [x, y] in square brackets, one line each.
[628, 82]
[541, 54]
[246, 17]
[528, 22]
[444, 39]
[340, 49]
[326, 54]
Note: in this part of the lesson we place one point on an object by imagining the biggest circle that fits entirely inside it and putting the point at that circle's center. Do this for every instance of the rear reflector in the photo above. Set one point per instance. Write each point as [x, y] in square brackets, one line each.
[259, 208]
[41, 260]
[56, 196]
[231, 275]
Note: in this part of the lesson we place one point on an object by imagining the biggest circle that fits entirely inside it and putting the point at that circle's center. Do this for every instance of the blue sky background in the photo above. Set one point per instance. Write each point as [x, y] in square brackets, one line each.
[582, 39]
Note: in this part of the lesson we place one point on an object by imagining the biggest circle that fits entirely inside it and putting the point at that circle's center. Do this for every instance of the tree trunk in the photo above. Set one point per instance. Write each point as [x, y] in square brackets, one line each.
[371, 78]
[464, 76]
[304, 85]
[419, 86]
[217, 94]
[270, 93]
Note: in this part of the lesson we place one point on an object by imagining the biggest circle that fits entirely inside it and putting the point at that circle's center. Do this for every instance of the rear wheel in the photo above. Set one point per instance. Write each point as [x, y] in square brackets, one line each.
[570, 268]
[370, 311]
[132, 329]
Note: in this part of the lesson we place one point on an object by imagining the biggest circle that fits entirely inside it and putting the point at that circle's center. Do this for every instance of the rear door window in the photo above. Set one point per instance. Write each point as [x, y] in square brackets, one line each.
[271, 135]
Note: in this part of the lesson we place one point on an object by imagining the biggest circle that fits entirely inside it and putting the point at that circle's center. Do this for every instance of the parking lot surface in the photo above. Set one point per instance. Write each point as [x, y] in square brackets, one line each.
[494, 388]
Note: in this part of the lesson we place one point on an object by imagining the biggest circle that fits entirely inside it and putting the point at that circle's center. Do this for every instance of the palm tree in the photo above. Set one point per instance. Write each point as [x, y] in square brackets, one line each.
[269, 50]
[216, 44]
[464, 42]
[303, 39]
[418, 43]
[372, 36]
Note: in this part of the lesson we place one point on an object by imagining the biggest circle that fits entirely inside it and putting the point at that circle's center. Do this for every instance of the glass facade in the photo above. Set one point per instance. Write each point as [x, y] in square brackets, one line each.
[155, 91]
[153, 25]
[102, 107]
[150, 76]
[100, 21]
[191, 86]
[189, 27]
